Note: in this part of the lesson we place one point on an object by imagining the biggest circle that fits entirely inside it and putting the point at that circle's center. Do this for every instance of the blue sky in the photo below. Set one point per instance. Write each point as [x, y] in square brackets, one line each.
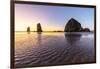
[51, 17]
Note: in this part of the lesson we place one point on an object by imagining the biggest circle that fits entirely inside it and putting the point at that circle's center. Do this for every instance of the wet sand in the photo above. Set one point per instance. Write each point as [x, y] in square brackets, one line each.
[32, 49]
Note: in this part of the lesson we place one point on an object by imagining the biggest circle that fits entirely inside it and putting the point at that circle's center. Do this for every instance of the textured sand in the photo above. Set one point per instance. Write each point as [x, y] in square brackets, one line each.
[53, 49]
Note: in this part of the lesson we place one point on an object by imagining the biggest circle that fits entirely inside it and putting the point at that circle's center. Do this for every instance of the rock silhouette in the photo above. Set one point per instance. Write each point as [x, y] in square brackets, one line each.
[28, 29]
[73, 26]
[85, 30]
[39, 28]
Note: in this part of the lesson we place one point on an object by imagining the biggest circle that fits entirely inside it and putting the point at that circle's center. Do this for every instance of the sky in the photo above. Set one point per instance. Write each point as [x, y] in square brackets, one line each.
[51, 18]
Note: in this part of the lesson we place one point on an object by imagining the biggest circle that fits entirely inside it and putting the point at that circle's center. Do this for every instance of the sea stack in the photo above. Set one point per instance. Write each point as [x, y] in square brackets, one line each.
[85, 30]
[73, 26]
[28, 29]
[39, 28]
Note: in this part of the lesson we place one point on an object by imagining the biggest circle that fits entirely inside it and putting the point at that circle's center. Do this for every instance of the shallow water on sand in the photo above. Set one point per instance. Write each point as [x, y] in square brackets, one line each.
[49, 48]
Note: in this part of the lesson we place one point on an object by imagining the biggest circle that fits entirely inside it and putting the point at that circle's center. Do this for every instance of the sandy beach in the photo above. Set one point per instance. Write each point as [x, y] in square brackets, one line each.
[32, 49]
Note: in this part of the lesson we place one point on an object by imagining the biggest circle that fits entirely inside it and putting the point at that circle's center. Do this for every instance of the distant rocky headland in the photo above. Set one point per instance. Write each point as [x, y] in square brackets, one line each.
[71, 26]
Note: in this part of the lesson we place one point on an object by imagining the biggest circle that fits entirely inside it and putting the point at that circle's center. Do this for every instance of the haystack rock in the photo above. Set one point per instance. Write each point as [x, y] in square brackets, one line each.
[73, 26]
[39, 28]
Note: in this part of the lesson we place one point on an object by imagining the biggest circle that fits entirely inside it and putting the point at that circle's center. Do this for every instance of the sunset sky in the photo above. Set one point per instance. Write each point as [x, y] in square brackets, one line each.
[51, 17]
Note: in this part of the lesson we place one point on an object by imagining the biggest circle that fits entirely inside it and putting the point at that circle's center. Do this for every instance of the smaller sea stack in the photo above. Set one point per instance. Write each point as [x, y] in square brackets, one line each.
[28, 29]
[39, 28]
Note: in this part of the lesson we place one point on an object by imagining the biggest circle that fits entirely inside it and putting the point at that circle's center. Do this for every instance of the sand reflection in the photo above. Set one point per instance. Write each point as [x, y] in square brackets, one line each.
[39, 38]
[72, 38]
